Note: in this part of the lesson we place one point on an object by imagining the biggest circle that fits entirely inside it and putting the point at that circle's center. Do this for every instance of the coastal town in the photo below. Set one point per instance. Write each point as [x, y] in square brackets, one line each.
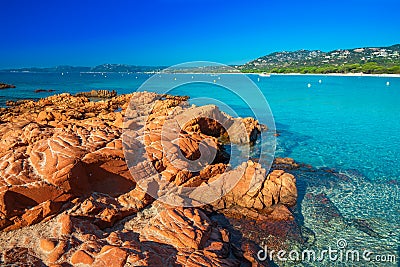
[369, 60]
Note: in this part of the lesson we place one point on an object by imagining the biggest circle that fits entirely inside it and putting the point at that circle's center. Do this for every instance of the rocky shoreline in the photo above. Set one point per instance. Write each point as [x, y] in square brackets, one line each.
[99, 94]
[67, 196]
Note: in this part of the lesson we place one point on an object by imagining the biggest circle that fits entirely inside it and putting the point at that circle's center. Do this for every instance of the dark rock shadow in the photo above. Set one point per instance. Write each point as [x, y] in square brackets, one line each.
[157, 254]
[19, 256]
[240, 234]
[111, 183]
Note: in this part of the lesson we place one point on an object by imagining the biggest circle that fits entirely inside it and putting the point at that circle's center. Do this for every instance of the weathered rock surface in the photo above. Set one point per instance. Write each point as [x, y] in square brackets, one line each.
[5, 86]
[257, 197]
[99, 93]
[173, 237]
[67, 196]
[211, 121]
[53, 150]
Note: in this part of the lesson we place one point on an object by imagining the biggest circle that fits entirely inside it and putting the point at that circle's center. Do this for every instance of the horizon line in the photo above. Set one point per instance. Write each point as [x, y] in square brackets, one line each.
[170, 65]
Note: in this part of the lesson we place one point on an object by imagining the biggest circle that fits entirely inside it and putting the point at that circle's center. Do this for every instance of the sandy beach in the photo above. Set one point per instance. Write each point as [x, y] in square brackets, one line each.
[384, 75]
[338, 74]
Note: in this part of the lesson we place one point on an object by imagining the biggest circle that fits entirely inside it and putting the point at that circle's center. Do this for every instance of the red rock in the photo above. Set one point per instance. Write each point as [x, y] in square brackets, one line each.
[213, 170]
[40, 212]
[65, 154]
[288, 193]
[250, 253]
[44, 116]
[55, 159]
[81, 257]
[181, 228]
[66, 226]
[200, 258]
[22, 257]
[109, 176]
[101, 210]
[16, 199]
[47, 245]
[255, 194]
[56, 253]
[280, 213]
[5, 86]
[285, 164]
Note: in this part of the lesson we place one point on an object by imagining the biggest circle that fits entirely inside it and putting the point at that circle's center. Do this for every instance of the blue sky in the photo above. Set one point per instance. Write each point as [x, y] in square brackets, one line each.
[166, 32]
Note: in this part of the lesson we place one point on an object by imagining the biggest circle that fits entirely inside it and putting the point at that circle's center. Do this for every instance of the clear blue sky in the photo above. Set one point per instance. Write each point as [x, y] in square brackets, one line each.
[166, 32]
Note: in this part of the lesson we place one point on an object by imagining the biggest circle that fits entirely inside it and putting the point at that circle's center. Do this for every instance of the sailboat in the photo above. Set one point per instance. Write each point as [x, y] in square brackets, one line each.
[264, 74]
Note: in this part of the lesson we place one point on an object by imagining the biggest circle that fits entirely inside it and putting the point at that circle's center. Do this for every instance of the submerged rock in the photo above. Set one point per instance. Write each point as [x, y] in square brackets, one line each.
[364, 226]
[325, 211]
[99, 94]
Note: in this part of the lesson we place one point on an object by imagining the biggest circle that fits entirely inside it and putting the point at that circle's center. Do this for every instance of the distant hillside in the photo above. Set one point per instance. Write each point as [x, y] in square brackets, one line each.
[373, 60]
[99, 68]
[366, 60]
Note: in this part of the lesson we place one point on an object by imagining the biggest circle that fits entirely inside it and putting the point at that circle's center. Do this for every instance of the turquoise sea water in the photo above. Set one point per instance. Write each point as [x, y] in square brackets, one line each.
[349, 124]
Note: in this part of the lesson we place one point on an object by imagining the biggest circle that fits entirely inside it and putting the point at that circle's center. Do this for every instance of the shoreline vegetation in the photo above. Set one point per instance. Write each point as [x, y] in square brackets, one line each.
[390, 75]
[368, 68]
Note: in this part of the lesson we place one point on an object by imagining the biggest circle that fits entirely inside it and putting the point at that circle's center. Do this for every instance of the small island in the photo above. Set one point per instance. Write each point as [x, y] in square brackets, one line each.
[44, 90]
[6, 86]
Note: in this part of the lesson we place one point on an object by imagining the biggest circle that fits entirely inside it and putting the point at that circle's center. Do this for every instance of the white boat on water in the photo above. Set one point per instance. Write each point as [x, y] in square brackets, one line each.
[264, 74]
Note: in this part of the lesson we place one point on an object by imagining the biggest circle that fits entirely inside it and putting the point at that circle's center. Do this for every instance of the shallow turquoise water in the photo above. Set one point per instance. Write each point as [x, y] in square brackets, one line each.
[341, 123]
[349, 124]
